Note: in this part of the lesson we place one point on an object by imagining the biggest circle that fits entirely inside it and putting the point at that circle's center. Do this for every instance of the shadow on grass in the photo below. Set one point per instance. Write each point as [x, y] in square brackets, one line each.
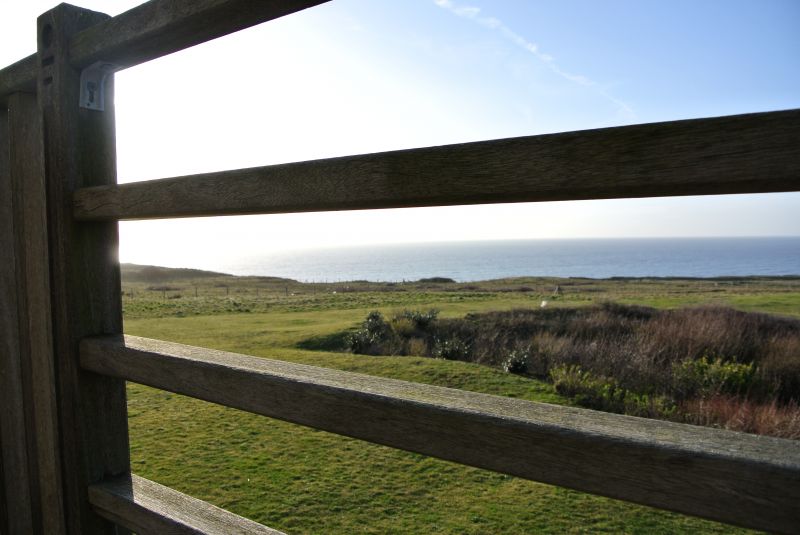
[326, 342]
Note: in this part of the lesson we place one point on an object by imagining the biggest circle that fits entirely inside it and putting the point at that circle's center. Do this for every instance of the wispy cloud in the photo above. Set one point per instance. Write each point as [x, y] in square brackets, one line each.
[474, 14]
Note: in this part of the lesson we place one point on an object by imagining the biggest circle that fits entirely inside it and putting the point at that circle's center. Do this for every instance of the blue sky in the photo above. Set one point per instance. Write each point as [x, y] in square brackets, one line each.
[610, 62]
[358, 76]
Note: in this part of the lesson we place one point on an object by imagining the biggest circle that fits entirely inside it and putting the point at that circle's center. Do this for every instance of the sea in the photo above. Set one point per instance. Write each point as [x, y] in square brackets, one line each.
[484, 260]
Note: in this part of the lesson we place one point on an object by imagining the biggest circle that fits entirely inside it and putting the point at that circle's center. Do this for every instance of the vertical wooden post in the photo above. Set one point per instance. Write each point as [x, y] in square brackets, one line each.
[28, 382]
[27, 175]
[85, 283]
[3, 506]
[16, 481]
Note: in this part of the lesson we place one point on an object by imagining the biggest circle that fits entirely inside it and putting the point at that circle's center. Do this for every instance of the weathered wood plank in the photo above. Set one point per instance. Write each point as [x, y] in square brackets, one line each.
[26, 379]
[752, 153]
[152, 30]
[3, 501]
[146, 507]
[33, 305]
[161, 27]
[13, 435]
[732, 477]
[18, 77]
[85, 287]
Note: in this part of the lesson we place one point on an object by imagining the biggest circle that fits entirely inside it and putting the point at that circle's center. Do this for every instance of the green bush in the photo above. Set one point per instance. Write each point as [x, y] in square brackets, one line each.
[586, 389]
[404, 327]
[518, 361]
[649, 406]
[605, 394]
[370, 337]
[410, 324]
[450, 349]
[360, 342]
[421, 320]
[705, 377]
[408, 332]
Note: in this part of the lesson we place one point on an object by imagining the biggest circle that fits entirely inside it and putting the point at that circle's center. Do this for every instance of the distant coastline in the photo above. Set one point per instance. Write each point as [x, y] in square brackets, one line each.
[488, 260]
[142, 273]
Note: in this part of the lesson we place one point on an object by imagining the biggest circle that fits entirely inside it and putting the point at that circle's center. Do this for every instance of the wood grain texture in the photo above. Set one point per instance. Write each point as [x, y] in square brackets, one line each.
[14, 447]
[152, 30]
[18, 77]
[732, 477]
[85, 287]
[3, 501]
[753, 153]
[161, 27]
[32, 276]
[146, 507]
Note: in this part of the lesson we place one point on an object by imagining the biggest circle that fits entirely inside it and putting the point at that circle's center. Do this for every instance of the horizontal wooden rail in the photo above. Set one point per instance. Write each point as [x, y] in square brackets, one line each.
[19, 77]
[753, 153]
[152, 30]
[741, 479]
[146, 507]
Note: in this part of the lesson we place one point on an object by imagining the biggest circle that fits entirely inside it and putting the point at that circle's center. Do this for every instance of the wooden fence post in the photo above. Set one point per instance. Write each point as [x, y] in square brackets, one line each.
[3, 506]
[16, 508]
[28, 385]
[85, 281]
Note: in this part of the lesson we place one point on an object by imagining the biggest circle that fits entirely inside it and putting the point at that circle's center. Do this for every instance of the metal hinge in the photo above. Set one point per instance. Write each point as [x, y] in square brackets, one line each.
[93, 78]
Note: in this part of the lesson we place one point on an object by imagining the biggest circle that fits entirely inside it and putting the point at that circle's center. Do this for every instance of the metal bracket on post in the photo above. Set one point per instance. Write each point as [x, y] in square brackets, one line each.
[93, 81]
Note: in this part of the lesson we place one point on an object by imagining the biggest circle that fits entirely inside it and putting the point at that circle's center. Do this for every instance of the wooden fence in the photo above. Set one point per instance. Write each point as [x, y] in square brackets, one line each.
[63, 426]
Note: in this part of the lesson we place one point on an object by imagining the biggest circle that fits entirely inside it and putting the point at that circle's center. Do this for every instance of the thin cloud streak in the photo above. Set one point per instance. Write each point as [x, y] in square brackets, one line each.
[474, 14]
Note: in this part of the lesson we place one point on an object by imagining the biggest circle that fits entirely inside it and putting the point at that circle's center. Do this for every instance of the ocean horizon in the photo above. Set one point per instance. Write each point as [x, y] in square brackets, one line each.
[484, 260]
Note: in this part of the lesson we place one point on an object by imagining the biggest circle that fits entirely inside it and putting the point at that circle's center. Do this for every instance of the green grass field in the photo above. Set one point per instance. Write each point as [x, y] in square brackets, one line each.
[304, 481]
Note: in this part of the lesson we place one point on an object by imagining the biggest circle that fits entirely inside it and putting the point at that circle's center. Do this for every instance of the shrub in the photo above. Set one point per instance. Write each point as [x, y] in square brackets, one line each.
[375, 324]
[417, 320]
[450, 349]
[368, 339]
[437, 279]
[360, 342]
[779, 369]
[744, 415]
[417, 347]
[705, 377]
[545, 350]
[649, 406]
[404, 327]
[605, 394]
[420, 320]
[668, 353]
[517, 361]
[587, 390]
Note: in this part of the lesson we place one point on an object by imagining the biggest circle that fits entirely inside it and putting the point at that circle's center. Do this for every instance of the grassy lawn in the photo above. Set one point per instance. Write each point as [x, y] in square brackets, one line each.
[304, 481]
